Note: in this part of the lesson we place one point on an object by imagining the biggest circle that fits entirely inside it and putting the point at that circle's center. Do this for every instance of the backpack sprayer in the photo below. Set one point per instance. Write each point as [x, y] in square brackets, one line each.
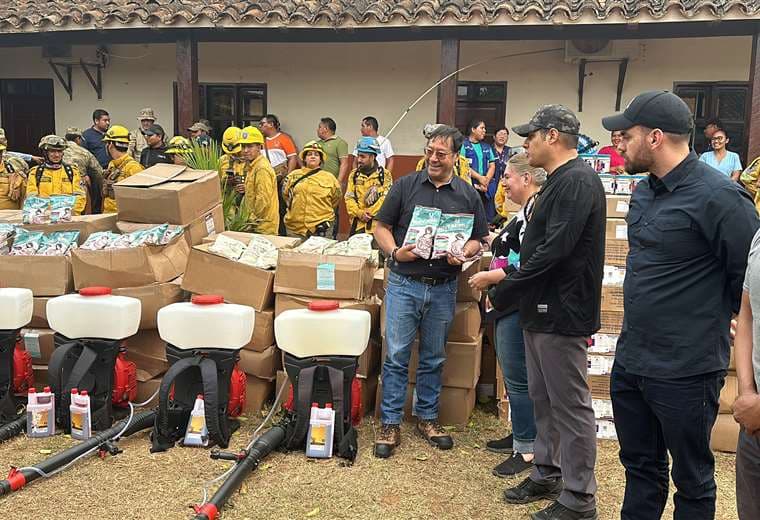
[16, 376]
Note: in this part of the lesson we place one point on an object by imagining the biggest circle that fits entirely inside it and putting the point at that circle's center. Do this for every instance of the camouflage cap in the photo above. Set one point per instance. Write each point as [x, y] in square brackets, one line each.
[558, 117]
[72, 130]
[146, 113]
[199, 126]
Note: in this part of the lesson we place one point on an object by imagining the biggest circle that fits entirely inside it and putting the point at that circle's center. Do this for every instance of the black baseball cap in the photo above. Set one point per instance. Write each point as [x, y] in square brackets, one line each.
[654, 109]
[154, 129]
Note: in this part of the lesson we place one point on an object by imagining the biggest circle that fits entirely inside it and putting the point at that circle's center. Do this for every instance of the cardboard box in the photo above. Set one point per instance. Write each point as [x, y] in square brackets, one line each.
[728, 394]
[599, 386]
[369, 394]
[605, 429]
[617, 206]
[263, 331]
[324, 276]
[501, 387]
[278, 241]
[617, 229]
[602, 408]
[130, 267]
[612, 322]
[147, 343]
[378, 283]
[85, 224]
[40, 375]
[725, 434]
[239, 283]
[285, 302]
[466, 324]
[39, 313]
[263, 365]
[152, 298]
[147, 388]
[465, 293]
[612, 298]
[603, 344]
[257, 393]
[503, 411]
[11, 216]
[168, 193]
[370, 361]
[462, 366]
[194, 233]
[39, 343]
[615, 252]
[148, 367]
[732, 360]
[600, 364]
[454, 406]
[44, 275]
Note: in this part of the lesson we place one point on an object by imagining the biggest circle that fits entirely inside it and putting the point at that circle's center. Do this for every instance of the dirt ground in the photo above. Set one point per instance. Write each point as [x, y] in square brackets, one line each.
[419, 482]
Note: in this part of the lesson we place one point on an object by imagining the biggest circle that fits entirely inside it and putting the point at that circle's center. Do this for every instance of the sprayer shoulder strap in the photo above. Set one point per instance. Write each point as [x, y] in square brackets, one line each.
[303, 406]
[7, 405]
[55, 366]
[41, 169]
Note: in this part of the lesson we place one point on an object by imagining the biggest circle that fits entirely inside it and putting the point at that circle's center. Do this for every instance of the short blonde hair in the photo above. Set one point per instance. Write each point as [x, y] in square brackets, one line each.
[519, 163]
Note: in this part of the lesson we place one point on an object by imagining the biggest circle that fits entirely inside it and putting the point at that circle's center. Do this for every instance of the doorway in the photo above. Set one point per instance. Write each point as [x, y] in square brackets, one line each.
[28, 112]
[484, 100]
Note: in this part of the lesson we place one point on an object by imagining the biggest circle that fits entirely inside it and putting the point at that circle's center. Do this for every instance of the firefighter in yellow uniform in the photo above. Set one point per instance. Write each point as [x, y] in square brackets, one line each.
[259, 186]
[54, 177]
[13, 174]
[122, 164]
[311, 195]
[231, 149]
[367, 187]
[179, 149]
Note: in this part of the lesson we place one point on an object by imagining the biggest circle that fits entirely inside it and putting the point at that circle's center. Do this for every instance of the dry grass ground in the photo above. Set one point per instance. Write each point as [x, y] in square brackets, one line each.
[419, 482]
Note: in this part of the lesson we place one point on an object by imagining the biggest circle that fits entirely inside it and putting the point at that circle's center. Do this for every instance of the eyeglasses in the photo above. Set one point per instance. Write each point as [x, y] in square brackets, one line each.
[429, 152]
[718, 138]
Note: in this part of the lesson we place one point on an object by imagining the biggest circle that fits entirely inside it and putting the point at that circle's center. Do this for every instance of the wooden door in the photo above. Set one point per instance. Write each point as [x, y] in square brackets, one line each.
[481, 100]
[28, 112]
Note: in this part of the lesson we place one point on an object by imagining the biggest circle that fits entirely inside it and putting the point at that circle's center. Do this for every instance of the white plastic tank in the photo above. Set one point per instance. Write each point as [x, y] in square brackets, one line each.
[324, 329]
[94, 313]
[206, 322]
[15, 308]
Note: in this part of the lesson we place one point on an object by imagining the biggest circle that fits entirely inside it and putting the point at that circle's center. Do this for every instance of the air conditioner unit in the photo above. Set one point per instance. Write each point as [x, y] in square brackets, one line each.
[576, 50]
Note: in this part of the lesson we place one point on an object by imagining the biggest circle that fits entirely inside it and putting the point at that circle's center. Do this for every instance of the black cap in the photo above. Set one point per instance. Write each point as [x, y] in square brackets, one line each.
[558, 117]
[654, 109]
[154, 129]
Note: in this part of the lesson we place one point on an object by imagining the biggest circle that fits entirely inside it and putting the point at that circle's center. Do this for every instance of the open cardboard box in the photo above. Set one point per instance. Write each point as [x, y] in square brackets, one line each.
[85, 224]
[130, 267]
[195, 233]
[168, 193]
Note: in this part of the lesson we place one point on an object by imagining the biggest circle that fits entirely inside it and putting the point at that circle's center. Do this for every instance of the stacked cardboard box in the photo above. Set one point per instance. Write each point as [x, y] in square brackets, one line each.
[725, 433]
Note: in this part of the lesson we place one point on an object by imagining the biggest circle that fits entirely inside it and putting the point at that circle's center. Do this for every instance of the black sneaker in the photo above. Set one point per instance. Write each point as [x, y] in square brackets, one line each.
[557, 511]
[514, 465]
[501, 445]
[529, 491]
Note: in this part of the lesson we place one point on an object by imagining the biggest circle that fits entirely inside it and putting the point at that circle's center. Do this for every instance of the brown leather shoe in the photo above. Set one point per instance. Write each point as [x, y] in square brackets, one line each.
[387, 439]
[435, 434]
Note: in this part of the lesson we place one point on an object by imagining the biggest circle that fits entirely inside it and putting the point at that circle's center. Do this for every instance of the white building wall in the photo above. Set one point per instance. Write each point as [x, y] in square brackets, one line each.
[348, 81]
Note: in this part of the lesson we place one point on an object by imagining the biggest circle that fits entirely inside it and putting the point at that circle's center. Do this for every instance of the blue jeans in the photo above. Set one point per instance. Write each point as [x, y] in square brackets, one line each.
[510, 351]
[411, 306]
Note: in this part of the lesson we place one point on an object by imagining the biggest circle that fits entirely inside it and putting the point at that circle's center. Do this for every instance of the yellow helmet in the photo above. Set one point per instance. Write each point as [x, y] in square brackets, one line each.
[251, 135]
[3, 143]
[230, 140]
[117, 134]
[179, 145]
[313, 146]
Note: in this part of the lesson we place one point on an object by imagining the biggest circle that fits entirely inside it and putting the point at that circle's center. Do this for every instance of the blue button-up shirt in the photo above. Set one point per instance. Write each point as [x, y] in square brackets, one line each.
[93, 141]
[689, 235]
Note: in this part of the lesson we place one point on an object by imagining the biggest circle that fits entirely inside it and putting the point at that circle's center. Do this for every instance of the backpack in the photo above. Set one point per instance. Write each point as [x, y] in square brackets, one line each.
[322, 380]
[215, 374]
[88, 364]
[8, 340]
[41, 169]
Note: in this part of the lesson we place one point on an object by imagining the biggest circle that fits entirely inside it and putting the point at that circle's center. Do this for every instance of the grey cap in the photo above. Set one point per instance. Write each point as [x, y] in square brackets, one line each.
[72, 130]
[199, 126]
[154, 129]
[558, 117]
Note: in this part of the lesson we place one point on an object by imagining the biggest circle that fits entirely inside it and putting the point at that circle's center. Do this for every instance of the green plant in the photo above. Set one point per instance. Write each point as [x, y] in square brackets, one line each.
[204, 157]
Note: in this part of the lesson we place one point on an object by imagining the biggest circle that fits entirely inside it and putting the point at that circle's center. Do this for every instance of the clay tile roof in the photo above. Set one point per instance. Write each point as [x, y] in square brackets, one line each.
[45, 15]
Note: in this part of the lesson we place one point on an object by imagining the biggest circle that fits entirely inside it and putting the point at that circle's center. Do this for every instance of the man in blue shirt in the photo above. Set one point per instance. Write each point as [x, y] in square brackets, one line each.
[482, 165]
[689, 231]
[93, 137]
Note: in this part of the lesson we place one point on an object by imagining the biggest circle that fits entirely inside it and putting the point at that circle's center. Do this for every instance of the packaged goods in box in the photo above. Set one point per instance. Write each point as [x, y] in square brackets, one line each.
[725, 434]
[129, 267]
[728, 394]
[600, 365]
[43, 275]
[39, 313]
[612, 298]
[454, 406]
[237, 282]
[285, 302]
[603, 344]
[152, 298]
[602, 408]
[85, 224]
[612, 322]
[257, 393]
[617, 229]
[195, 232]
[605, 429]
[614, 276]
[263, 365]
[625, 184]
[324, 276]
[616, 252]
[39, 343]
[599, 386]
[608, 182]
[168, 193]
[617, 206]
[462, 366]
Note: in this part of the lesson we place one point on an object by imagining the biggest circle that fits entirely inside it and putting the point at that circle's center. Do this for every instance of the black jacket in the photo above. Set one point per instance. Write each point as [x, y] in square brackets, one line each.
[559, 283]
[152, 156]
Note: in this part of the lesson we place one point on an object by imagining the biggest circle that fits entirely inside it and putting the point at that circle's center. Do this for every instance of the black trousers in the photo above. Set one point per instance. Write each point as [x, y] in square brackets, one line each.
[748, 476]
[654, 417]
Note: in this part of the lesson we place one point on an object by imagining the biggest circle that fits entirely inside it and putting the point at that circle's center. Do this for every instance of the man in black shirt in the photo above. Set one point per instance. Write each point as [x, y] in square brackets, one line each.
[155, 153]
[559, 285]
[421, 293]
[689, 232]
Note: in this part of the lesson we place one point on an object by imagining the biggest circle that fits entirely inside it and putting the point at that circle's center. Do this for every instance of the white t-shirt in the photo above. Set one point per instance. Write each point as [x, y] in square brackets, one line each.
[386, 150]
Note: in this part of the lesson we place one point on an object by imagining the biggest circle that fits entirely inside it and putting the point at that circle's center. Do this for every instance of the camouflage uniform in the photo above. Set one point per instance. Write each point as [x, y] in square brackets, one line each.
[137, 141]
[90, 169]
